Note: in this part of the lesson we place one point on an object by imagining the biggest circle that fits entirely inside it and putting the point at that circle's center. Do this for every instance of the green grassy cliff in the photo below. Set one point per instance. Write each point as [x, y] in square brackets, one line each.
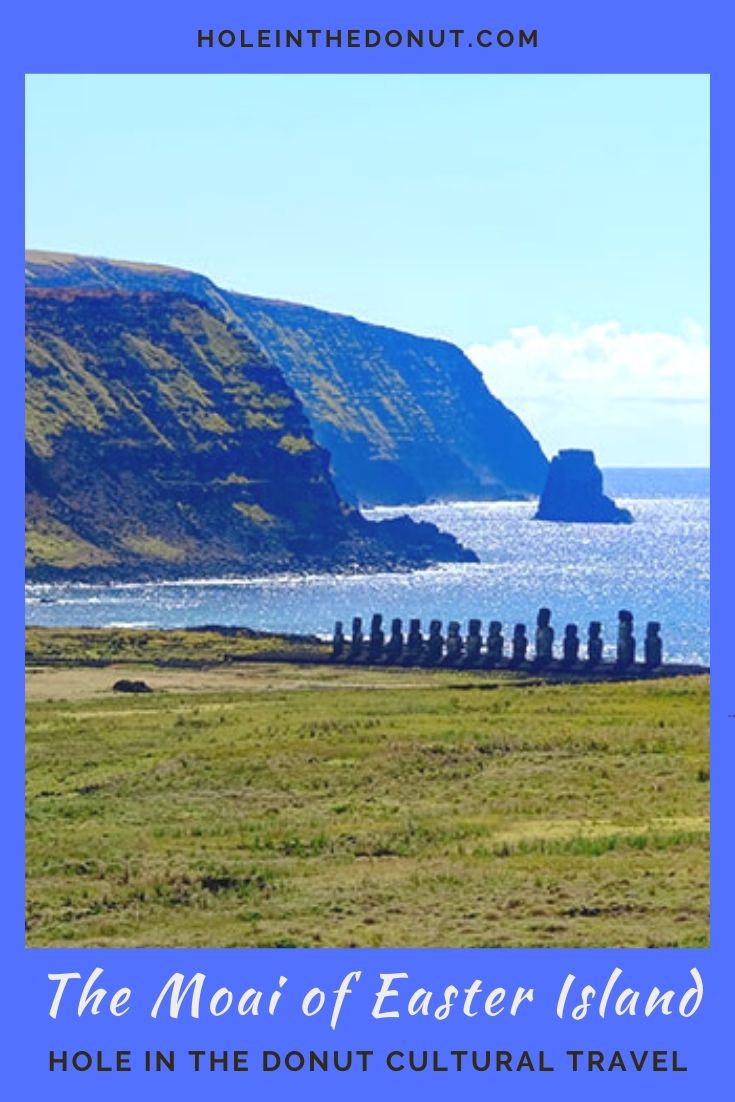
[162, 441]
[404, 418]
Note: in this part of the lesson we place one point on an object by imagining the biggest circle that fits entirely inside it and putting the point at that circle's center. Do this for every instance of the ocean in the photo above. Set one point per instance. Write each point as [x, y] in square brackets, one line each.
[658, 567]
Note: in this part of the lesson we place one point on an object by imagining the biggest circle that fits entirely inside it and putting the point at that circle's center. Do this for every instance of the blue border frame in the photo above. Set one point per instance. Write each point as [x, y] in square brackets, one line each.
[81, 36]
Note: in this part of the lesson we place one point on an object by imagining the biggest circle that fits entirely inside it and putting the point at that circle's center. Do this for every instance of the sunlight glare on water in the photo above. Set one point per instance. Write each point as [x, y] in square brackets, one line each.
[657, 567]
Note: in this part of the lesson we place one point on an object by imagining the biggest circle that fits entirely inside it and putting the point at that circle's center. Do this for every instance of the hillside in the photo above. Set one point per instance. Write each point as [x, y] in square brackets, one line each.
[405, 418]
[162, 441]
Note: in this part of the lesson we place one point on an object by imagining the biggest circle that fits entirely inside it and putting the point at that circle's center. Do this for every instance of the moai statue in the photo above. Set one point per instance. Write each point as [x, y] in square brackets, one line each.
[435, 643]
[495, 642]
[571, 645]
[414, 642]
[653, 645]
[626, 640]
[377, 638]
[338, 641]
[594, 644]
[356, 640]
[474, 643]
[394, 646]
[520, 645]
[544, 638]
[455, 645]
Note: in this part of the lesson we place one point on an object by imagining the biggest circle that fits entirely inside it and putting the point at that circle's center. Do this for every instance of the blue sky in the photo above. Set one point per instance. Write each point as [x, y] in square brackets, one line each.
[556, 227]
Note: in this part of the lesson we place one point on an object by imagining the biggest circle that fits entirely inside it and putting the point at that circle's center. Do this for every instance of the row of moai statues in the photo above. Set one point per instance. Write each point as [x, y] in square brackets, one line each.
[434, 649]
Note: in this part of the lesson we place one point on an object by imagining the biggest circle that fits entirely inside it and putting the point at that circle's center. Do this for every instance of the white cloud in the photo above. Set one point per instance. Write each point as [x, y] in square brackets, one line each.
[636, 398]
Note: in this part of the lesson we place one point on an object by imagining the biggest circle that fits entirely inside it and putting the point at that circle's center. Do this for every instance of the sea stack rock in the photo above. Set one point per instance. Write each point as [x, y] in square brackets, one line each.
[573, 492]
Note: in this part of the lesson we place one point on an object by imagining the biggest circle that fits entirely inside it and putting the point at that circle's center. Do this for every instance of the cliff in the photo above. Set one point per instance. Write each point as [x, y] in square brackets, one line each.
[162, 441]
[574, 492]
[405, 418]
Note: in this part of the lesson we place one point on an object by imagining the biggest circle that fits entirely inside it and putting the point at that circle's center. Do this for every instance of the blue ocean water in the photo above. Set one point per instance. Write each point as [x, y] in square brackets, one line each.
[657, 567]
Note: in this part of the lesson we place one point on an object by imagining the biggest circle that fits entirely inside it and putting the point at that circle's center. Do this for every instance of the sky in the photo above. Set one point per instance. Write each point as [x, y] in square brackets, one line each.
[555, 227]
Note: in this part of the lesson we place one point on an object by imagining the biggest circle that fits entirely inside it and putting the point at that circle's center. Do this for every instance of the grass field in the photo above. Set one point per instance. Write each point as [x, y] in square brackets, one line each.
[80, 646]
[311, 806]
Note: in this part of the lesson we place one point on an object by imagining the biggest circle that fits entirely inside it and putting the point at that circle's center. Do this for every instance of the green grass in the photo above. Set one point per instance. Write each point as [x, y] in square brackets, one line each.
[49, 541]
[295, 445]
[369, 808]
[75, 646]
